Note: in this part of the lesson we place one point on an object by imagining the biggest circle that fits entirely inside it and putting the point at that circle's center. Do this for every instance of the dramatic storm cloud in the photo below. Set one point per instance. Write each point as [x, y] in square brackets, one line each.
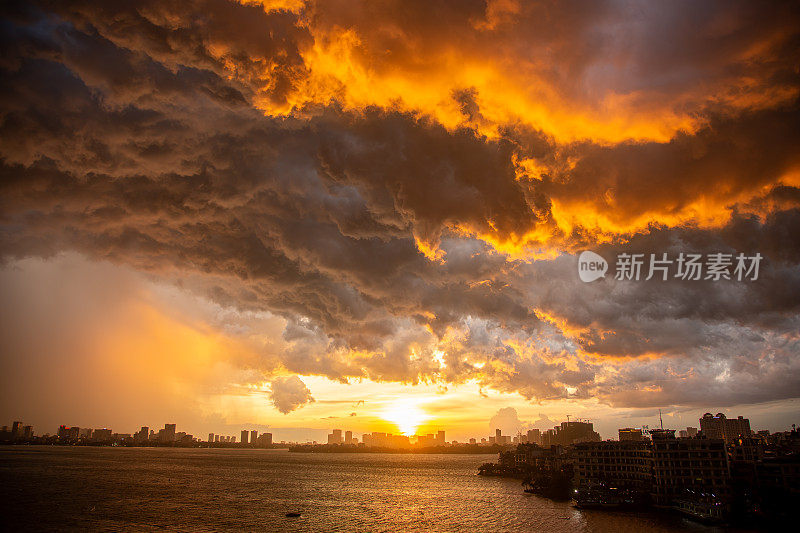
[403, 186]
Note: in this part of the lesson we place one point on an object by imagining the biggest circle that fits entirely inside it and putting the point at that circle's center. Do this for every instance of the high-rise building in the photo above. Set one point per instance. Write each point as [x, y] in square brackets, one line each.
[16, 430]
[101, 435]
[625, 464]
[348, 437]
[728, 429]
[210, 437]
[264, 440]
[695, 466]
[167, 434]
[141, 436]
[68, 433]
[634, 434]
[440, 438]
[570, 433]
[253, 437]
[387, 440]
[534, 436]
[245, 435]
[335, 437]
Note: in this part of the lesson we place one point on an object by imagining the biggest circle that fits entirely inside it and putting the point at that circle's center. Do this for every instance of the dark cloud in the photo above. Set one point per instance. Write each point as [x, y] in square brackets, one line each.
[401, 244]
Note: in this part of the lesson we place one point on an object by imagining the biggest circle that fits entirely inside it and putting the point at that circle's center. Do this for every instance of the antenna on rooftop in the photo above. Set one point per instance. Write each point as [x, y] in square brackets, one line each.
[568, 418]
[660, 419]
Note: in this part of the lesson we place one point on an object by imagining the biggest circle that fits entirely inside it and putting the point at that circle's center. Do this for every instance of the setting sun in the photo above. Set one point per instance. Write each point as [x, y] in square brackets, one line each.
[406, 415]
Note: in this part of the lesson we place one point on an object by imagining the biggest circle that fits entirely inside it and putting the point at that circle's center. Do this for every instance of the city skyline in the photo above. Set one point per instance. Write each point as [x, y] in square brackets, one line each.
[711, 425]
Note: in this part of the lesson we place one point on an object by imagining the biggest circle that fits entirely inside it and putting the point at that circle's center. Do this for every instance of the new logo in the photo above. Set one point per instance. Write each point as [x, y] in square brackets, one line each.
[591, 266]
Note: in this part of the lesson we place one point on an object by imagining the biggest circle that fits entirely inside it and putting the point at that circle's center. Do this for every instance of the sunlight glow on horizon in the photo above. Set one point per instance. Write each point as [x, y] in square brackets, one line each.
[406, 414]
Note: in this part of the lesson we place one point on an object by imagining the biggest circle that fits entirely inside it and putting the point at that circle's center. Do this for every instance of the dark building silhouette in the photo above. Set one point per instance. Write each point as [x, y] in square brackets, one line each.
[570, 433]
[142, 436]
[101, 435]
[728, 429]
[626, 464]
[690, 472]
[635, 434]
[167, 434]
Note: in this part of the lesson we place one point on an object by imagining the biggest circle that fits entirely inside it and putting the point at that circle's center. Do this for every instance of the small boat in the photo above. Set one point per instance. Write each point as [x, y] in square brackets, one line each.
[292, 515]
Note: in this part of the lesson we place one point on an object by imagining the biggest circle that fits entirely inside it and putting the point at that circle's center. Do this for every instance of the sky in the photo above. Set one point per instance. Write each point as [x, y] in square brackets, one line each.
[298, 215]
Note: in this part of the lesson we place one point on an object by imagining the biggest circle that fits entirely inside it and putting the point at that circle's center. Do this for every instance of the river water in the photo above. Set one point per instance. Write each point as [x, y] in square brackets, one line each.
[143, 489]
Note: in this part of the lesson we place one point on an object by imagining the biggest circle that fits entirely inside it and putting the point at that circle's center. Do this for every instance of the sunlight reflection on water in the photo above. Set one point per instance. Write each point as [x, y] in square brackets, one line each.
[213, 490]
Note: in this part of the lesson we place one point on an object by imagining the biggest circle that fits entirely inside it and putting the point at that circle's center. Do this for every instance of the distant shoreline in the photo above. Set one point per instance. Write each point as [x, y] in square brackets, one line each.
[465, 449]
[201, 445]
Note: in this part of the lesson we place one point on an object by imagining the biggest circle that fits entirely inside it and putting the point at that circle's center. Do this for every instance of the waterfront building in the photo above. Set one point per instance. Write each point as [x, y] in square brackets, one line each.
[624, 464]
[167, 434]
[570, 433]
[634, 434]
[101, 435]
[264, 440]
[245, 435]
[68, 433]
[387, 440]
[335, 437]
[728, 429]
[141, 436]
[691, 471]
